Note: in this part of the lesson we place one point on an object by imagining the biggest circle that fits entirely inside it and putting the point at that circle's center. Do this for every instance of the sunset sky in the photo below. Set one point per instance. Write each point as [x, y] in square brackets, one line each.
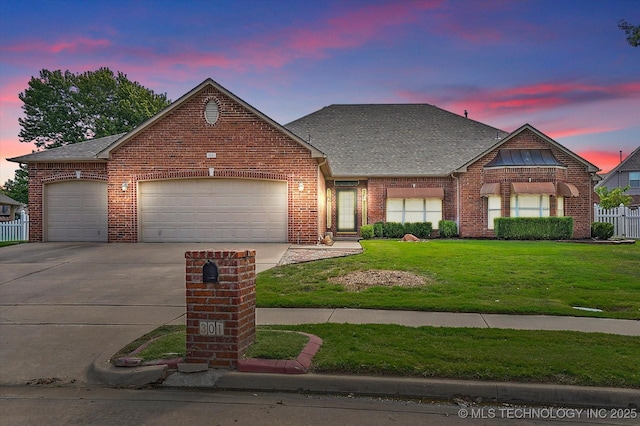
[562, 66]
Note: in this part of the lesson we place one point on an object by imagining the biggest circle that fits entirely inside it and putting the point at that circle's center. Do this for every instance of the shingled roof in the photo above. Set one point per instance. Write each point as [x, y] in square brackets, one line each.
[81, 151]
[394, 139]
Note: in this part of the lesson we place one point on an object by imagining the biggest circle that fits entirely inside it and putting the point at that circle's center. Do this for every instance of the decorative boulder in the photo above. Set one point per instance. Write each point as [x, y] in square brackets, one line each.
[410, 237]
[327, 241]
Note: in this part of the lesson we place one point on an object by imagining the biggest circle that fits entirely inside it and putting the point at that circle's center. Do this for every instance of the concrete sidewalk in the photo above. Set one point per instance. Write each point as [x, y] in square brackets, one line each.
[276, 316]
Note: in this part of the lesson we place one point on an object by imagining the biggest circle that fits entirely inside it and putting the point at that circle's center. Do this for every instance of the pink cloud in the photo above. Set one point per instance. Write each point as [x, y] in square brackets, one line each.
[528, 98]
[78, 45]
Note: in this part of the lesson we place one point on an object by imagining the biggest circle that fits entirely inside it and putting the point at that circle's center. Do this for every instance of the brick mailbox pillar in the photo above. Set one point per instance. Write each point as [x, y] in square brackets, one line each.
[221, 302]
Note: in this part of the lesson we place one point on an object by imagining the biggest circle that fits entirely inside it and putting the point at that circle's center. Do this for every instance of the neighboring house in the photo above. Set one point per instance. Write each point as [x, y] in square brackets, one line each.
[8, 208]
[210, 167]
[625, 173]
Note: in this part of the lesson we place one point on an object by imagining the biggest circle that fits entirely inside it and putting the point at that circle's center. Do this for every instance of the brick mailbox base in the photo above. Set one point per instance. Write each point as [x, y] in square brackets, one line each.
[221, 320]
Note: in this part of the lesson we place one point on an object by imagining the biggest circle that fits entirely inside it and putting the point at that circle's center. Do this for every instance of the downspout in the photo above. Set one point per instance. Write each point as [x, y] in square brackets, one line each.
[457, 202]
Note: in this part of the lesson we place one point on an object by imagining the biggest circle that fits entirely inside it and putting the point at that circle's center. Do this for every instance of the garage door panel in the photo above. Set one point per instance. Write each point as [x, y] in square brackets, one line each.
[76, 211]
[217, 210]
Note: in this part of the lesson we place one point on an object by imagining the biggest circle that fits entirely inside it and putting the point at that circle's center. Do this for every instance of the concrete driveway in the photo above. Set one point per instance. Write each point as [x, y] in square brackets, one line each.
[63, 305]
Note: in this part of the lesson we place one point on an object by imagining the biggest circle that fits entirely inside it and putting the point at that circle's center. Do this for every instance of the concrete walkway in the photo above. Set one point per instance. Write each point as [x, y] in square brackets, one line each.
[275, 316]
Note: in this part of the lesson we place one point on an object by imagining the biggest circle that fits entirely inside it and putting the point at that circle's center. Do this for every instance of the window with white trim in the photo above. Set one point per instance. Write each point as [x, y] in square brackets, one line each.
[411, 210]
[634, 179]
[494, 209]
[524, 205]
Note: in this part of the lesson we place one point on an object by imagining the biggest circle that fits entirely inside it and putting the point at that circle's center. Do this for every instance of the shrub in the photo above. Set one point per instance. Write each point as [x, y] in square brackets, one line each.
[366, 232]
[447, 228]
[601, 230]
[419, 229]
[378, 229]
[534, 228]
[393, 230]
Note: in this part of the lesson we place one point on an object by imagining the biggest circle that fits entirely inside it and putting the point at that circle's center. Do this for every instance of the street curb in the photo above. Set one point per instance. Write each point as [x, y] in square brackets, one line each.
[119, 377]
[472, 391]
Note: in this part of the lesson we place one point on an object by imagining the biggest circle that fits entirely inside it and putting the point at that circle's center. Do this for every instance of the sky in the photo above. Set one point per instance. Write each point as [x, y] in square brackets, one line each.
[562, 66]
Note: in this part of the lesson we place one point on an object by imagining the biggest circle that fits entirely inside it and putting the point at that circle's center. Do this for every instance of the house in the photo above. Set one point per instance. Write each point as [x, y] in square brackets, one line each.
[8, 208]
[210, 167]
[627, 173]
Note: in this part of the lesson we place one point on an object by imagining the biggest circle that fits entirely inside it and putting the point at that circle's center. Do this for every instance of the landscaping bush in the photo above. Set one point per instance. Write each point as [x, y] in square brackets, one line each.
[393, 230]
[534, 228]
[419, 229]
[366, 232]
[378, 229]
[601, 230]
[447, 228]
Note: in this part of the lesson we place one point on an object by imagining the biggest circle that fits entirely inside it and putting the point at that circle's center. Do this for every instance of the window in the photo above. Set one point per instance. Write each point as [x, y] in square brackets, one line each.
[560, 206]
[529, 205]
[410, 210]
[494, 209]
[634, 179]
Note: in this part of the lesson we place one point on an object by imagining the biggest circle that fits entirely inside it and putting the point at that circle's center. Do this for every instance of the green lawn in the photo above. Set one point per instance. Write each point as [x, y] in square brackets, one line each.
[490, 276]
[562, 357]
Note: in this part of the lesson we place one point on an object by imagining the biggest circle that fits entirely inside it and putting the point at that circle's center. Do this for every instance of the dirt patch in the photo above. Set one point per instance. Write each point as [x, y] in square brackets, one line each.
[361, 280]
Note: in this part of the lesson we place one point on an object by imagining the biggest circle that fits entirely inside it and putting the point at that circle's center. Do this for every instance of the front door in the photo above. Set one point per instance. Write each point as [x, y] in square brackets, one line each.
[346, 206]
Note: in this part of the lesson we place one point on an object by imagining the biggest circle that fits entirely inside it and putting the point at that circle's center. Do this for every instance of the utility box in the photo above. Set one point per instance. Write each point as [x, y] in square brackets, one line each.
[221, 306]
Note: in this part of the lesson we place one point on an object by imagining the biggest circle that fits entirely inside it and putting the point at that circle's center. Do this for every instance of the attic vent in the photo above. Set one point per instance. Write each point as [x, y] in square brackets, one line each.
[211, 113]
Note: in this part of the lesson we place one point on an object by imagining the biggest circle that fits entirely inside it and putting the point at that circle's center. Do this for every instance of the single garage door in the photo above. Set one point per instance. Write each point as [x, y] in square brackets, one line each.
[213, 210]
[76, 210]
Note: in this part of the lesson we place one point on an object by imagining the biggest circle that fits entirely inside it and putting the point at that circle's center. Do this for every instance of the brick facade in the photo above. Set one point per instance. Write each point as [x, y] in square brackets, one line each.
[248, 145]
[176, 146]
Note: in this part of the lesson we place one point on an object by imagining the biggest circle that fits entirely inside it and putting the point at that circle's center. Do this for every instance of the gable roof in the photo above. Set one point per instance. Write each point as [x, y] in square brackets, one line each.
[629, 164]
[589, 167]
[394, 139]
[100, 149]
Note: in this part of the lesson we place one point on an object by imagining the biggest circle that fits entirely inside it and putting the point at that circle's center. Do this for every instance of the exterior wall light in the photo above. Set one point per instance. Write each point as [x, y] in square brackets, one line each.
[300, 186]
[125, 185]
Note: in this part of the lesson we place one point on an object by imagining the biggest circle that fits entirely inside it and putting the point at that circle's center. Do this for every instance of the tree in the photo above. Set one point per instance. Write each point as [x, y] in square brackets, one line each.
[613, 198]
[632, 32]
[18, 188]
[62, 108]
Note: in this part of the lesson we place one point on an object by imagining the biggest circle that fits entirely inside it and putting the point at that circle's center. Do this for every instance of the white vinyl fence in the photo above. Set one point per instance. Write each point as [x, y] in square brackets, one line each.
[626, 221]
[15, 230]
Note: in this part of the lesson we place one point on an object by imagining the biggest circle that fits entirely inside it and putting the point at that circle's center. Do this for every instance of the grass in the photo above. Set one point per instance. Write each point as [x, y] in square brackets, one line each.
[275, 344]
[9, 243]
[157, 333]
[488, 276]
[562, 357]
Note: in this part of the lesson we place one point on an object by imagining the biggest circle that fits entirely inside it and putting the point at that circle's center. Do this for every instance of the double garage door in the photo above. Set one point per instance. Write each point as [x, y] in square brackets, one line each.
[188, 210]
[217, 210]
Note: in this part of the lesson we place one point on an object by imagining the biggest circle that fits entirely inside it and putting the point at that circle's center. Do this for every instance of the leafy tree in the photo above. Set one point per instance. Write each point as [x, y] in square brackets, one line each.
[62, 108]
[613, 198]
[632, 32]
[18, 188]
